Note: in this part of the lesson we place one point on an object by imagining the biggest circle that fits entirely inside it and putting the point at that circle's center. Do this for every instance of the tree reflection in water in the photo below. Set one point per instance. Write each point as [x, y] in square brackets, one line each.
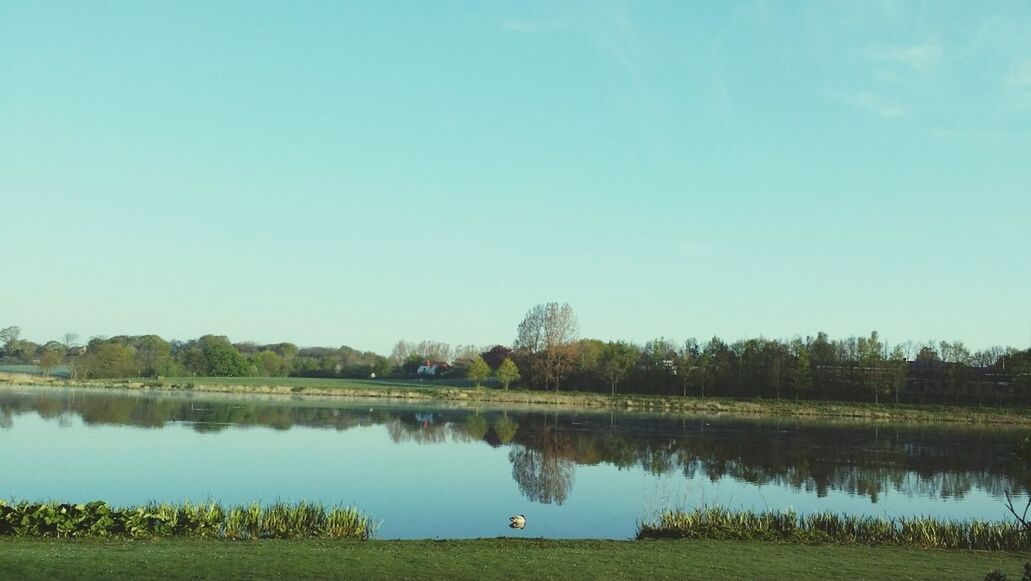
[542, 477]
[866, 460]
[543, 463]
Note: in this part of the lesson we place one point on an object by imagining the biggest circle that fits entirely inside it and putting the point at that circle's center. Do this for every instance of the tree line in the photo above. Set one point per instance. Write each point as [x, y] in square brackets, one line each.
[209, 355]
[863, 368]
[547, 353]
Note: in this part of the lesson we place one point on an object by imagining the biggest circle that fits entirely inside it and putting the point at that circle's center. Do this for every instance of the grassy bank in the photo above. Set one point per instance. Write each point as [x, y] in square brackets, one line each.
[929, 533]
[459, 390]
[509, 559]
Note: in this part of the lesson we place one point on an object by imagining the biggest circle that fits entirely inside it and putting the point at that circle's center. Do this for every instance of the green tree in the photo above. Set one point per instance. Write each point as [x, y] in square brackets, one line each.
[687, 363]
[478, 370]
[191, 358]
[221, 359]
[898, 367]
[660, 368]
[719, 364]
[617, 360]
[958, 358]
[928, 354]
[777, 357]
[588, 355]
[153, 355]
[382, 367]
[26, 351]
[107, 359]
[507, 372]
[269, 364]
[800, 374]
[9, 339]
[822, 352]
[49, 359]
[871, 359]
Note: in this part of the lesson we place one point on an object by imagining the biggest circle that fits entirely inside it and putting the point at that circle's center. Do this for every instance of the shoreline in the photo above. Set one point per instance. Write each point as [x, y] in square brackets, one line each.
[401, 390]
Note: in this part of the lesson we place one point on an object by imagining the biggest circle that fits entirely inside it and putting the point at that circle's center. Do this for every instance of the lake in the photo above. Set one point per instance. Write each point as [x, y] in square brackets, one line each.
[426, 470]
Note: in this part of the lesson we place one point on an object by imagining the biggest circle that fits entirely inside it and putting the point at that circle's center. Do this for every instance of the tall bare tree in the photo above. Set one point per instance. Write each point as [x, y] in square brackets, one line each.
[9, 339]
[401, 352]
[547, 332]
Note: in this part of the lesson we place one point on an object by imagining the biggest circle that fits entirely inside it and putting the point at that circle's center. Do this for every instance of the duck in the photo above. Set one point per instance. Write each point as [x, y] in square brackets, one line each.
[517, 522]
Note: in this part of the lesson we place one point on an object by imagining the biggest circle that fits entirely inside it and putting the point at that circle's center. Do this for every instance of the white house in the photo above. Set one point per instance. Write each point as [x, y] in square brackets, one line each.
[433, 368]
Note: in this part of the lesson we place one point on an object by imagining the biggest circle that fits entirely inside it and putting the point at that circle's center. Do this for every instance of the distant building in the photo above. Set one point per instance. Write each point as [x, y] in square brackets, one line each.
[433, 368]
[670, 365]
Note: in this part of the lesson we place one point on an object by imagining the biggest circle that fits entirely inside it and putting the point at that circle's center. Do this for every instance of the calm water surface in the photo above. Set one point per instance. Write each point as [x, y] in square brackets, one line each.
[438, 471]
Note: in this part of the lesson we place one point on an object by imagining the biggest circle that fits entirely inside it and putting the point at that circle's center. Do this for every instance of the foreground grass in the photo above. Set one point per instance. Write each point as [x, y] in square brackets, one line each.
[509, 559]
[462, 391]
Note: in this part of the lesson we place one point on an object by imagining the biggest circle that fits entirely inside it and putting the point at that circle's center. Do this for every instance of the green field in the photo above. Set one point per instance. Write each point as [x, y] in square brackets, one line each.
[313, 382]
[18, 373]
[462, 389]
[508, 559]
[61, 371]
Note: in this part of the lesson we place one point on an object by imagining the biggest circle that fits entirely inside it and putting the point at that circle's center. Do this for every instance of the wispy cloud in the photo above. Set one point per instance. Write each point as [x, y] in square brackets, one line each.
[894, 71]
[758, 14]
[917, 57]
[875, 104]
[607, 26]
[614, 32]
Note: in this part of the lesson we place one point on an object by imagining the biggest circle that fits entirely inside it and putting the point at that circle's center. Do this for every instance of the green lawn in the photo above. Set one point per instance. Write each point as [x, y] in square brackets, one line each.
[314, 382]
[508, 559]
[61, 371]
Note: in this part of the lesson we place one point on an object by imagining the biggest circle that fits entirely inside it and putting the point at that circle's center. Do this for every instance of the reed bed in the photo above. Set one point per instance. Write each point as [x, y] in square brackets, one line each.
[720, 523]
[255, 521]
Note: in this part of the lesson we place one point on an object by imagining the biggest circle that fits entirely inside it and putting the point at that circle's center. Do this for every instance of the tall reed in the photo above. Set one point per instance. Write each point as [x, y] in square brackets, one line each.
[255, 521]
[825, 527]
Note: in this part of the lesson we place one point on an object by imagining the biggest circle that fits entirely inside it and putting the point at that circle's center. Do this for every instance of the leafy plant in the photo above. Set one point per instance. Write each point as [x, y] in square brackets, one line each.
[98, 519]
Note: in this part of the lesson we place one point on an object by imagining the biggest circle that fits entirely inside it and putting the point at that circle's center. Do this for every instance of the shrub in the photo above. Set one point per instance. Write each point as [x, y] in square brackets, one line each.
[97, 519]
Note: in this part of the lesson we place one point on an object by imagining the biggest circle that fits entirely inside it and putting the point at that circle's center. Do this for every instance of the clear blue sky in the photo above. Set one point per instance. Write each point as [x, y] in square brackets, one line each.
[357, 173]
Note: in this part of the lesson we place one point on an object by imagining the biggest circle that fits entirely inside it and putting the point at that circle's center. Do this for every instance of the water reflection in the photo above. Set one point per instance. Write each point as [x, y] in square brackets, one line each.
[545, 448]
[542, 477]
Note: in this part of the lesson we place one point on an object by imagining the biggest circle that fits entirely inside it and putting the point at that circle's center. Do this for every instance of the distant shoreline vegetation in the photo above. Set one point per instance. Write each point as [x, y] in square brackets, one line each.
[548, 355]
[451, 391]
